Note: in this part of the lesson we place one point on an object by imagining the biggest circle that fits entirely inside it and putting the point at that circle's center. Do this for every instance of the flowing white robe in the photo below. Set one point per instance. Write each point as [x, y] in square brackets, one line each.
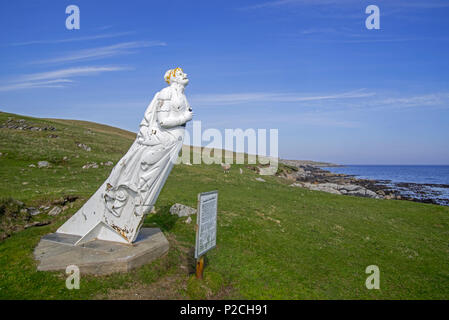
[117, 210]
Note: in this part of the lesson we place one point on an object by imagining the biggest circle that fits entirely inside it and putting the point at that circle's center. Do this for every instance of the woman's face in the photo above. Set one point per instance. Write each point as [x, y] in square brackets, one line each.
[180, 77]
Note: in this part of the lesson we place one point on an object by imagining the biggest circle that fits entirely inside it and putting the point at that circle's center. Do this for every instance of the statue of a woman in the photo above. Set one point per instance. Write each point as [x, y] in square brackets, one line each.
[117, 210]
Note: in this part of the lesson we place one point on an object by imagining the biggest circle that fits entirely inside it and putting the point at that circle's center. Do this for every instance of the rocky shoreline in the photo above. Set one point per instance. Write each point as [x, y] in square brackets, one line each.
[313, 177]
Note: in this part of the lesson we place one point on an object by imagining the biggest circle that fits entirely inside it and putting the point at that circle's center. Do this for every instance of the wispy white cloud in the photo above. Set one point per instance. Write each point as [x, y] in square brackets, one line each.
[238, 98]
[103, 52]
[392, 101]
[56, 78]
[419, 4]
[70, 72]
[57, 83]
[105, 27]
[94, 37]
[282, 3]
[424, 100]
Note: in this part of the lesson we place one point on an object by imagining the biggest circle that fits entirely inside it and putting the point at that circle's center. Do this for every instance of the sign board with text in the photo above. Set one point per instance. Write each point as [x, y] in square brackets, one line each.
[206, 221]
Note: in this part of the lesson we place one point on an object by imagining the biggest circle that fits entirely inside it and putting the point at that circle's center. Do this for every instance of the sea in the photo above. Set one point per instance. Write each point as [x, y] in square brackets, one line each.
[418, 181]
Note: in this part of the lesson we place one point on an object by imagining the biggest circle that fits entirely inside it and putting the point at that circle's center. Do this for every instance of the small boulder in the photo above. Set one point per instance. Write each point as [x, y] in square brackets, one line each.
[55, 211]
[188, 220]
[36, 224]
[109, 163]
[260, 179]
[267, 171]
[85, 147]
[181, 210]
[43, 164]
[92, 165]
[33, 211]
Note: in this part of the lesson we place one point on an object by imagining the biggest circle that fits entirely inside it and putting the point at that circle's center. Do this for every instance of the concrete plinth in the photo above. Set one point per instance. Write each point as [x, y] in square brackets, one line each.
[56, 251]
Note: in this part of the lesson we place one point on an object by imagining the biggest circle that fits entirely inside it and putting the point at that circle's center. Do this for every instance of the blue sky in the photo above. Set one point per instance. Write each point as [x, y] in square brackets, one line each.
[335, 90]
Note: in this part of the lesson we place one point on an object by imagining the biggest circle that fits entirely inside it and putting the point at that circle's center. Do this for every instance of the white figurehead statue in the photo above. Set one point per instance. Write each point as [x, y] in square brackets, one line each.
[117, 209]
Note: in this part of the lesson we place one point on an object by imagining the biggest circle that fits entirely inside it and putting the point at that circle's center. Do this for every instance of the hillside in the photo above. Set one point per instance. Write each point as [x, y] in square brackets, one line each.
[274, 241]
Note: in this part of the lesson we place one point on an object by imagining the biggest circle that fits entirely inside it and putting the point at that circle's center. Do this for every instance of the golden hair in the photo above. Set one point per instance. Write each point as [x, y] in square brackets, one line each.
[170, 73]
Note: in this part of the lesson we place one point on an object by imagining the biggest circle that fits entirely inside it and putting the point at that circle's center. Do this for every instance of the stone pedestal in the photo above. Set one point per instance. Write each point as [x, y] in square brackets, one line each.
[56, 251]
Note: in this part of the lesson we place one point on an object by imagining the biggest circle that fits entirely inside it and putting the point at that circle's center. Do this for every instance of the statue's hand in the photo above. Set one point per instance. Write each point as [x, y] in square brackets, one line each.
[188, 115]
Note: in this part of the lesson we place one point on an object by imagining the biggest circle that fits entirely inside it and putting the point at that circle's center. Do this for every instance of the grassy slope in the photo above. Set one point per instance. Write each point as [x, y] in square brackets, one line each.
[274, 241]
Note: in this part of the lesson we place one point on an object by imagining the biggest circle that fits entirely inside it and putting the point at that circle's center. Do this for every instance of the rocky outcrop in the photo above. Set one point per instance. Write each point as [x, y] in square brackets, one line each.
[92, 165]
[22, 124]
[299, 163]
[347, 189]
[315, 178]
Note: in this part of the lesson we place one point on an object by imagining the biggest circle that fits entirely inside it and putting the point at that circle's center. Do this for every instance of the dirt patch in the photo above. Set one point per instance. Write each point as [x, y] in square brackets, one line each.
[176, 285]
[166, 288]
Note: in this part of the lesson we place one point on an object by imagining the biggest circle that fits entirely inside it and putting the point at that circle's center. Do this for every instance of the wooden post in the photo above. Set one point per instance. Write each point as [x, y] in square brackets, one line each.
[199, 267]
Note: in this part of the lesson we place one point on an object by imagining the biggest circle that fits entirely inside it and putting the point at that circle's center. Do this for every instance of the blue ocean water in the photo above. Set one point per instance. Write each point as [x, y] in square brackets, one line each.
[397, 173]
[423, 174]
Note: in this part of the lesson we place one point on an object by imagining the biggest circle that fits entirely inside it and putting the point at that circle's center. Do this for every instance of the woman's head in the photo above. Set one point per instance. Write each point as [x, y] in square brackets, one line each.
[176, 75]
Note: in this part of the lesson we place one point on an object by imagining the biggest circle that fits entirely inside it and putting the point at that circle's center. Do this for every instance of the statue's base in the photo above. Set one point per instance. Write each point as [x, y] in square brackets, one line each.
[56, 251]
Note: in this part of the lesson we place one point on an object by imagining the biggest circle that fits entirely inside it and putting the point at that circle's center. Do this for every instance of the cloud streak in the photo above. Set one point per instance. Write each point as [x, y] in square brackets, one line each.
[57, 83]
[103, 52]
[56, 78]
[239, 98]
[94, 37]
[417, 4]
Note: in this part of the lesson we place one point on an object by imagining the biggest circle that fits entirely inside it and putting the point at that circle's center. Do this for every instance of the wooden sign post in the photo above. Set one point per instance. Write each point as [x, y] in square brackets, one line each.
[206, 228]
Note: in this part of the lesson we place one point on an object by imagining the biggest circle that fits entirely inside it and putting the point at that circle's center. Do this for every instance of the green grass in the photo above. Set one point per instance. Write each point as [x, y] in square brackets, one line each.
[273, 241]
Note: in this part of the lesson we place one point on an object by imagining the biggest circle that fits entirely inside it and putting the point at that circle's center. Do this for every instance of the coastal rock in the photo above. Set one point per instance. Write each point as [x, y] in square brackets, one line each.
[181, 210]
[266, 171]
[325, 187]
[346, 189]
[309, 175]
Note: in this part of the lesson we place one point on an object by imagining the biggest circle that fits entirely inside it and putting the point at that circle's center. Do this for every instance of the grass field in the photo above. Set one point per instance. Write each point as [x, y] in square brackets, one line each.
[273, 241]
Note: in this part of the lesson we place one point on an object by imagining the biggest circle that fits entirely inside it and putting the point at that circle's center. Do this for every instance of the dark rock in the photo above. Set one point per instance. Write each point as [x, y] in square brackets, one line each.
[36, 224]
[33, 211]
